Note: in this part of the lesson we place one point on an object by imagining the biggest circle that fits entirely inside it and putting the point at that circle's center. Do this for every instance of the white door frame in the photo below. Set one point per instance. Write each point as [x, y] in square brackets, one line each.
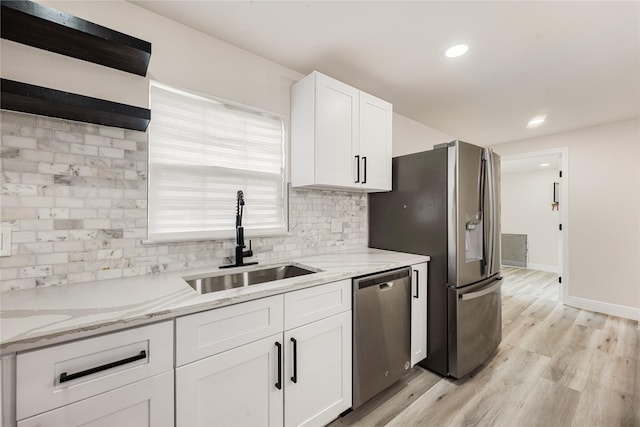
[563, 267]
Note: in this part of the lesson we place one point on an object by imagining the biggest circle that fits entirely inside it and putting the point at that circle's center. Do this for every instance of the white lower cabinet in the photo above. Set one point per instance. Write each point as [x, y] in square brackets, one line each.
[318, 371]
[233, 388]
[418, 312]
[144, 403]
[297, 377]
[122, 378]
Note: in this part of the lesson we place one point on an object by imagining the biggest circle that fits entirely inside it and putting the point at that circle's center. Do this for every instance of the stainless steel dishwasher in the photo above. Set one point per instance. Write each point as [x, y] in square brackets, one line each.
[381, 332]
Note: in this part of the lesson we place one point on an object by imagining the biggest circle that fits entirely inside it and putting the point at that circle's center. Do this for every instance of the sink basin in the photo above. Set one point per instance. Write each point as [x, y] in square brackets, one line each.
[220, 282]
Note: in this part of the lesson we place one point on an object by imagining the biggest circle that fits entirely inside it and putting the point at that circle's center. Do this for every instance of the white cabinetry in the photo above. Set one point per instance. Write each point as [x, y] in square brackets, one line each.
[103, 380]
[234, 388]
[318, 374]
[234, 370]
[340, 136]
[418, 312]
[318, 357]
[144, 403]
[228, 361]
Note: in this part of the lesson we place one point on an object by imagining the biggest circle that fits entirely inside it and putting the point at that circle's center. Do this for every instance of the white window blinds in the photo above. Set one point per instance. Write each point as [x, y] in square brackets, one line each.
[201, 152]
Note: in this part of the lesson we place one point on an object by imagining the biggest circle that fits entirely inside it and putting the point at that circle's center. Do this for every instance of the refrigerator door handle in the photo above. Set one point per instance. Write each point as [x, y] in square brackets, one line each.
[483, 209]
[491, 208]
[478, 294]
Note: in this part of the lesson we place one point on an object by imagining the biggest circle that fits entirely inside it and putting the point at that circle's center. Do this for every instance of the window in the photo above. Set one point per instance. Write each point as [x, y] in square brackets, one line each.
[201, 152]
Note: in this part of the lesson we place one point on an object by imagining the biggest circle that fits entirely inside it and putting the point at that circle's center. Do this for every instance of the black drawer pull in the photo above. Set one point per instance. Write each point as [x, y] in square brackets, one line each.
[294, 378]
[357, 168]
[417, 295]
[279, 383]
[64, 377]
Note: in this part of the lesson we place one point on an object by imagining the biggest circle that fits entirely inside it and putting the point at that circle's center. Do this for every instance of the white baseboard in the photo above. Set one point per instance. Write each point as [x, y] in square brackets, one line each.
[543, 267]
[604, 307]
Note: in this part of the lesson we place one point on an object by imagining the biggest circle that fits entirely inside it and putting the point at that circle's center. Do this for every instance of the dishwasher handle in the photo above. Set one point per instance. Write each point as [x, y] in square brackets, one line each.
[381, 279]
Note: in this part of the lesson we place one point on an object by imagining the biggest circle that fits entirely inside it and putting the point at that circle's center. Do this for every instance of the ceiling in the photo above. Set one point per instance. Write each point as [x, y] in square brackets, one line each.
[578, 62]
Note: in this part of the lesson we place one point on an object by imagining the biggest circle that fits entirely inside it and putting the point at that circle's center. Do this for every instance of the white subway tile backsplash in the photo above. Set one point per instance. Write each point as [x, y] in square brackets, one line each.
[37, 202]
[35, 224]
[90, 224]
[71, 137]
[54, 168]
[53, 258]
[111, 132]
[11, 189]
[35, 271]
[36, 156]
[116, 153]
[12, 214]
[21, 142]
[9, 164]
[69, 202]
[97, 140]
[53, 236]
[48, 122]
[36, 248]
[83, 149]
[77, 196]
[52, 145]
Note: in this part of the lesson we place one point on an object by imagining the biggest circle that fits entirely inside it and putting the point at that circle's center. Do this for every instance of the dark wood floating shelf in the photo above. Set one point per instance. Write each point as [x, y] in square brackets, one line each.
[27, 98]
[39, 26]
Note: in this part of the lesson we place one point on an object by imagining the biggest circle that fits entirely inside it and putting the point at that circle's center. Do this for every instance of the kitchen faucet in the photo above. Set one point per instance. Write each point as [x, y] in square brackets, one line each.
[240, 252]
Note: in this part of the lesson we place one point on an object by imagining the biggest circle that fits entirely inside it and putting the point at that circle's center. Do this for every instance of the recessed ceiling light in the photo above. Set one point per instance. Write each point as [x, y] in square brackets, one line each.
[536, 121]
[544, 165]
[457, 50]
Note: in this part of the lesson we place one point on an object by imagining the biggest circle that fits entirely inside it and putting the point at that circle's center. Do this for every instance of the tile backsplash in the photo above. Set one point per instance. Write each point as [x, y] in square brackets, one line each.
[75, 197]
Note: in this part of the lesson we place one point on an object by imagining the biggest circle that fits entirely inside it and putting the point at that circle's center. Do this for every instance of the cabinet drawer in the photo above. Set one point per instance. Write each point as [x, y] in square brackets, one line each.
[63, 374]
[144, 403]
[214, 331]
[311, 304]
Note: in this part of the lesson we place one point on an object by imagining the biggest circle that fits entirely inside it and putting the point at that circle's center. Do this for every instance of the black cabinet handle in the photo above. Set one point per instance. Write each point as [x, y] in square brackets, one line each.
[358, 168]
[294, 378]
[417, 295]
[364, 167]
[279, 383]
[64, 377]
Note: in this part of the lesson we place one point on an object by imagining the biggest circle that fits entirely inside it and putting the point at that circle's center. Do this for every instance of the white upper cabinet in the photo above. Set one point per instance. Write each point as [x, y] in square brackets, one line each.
[375, 143]
[340, 136]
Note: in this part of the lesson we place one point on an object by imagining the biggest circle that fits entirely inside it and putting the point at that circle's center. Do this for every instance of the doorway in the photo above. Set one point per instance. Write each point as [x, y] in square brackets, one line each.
[535, 218]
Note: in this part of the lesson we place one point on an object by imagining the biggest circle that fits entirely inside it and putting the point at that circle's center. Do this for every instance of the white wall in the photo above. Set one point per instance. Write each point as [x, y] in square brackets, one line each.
[410, 136]
[526, 209]
[181, 57]
[604, 211]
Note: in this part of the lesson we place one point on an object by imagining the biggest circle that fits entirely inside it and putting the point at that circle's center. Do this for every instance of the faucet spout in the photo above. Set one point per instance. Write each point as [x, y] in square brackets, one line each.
[240, 252]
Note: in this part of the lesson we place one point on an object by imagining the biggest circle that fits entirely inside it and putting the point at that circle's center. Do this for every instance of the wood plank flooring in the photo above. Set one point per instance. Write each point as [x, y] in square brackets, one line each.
[556, 366]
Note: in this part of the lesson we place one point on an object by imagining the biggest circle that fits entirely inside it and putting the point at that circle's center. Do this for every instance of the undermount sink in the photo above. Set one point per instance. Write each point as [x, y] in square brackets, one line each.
[221, 282]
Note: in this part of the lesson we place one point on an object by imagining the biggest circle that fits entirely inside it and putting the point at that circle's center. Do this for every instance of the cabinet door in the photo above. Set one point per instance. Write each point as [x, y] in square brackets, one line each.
[376, 118]
[418, 313]
[318, 371]
[336, 132]
[234, 388]
[144, 403]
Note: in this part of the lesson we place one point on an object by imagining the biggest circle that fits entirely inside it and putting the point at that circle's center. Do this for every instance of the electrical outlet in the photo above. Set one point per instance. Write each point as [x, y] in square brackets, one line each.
[5, 240]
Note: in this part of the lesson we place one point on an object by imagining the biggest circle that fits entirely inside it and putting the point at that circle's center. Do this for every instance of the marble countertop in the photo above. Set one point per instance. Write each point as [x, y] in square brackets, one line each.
[43, 316]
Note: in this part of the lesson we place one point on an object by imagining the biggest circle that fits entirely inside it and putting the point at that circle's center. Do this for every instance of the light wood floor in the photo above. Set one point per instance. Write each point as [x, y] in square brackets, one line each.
[556, 366]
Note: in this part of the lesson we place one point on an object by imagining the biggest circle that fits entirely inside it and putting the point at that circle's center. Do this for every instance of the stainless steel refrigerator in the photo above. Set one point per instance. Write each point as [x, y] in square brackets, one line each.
[446, 203]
